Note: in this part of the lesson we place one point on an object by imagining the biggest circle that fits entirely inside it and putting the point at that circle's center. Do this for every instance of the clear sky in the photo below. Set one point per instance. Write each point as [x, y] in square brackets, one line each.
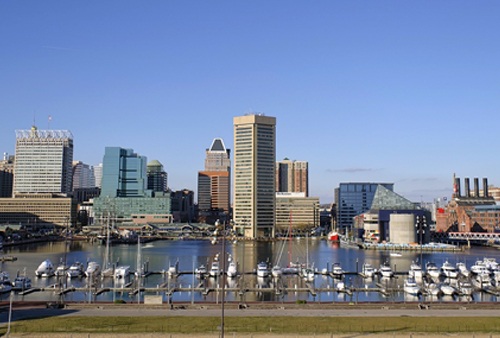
[397, 91]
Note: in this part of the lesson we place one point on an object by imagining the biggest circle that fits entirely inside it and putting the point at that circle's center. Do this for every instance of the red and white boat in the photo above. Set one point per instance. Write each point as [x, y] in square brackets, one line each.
[333, 236]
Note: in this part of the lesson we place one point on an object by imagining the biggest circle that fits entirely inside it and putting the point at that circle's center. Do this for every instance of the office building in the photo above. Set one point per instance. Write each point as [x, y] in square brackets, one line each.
[124, 174]
[83, 175]
[157, 177]
[296, 212]
[292, 176]
[352, 199]
[254, 175]
[124, 194]
[97, 169]
[6, 175]
[43, 161]
[214, 184]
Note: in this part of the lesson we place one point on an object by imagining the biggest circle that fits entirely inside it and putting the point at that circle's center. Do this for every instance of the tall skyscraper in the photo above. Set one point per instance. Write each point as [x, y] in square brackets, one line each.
[43, 161]
[6, 175]
[254, 175]
[292, 176]
[97, 169]
[83, 175]
[124, 173]
[157, 177]
[214, 183]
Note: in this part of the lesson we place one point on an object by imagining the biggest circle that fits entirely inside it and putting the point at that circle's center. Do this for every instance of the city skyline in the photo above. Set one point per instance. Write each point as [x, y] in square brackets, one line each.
[364, 92]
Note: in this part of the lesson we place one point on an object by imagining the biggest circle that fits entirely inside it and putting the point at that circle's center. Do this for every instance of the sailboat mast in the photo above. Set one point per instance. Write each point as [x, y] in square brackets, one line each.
[290, 239]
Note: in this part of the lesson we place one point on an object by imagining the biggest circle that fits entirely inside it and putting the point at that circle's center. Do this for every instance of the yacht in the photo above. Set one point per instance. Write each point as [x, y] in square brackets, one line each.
[308, 274]
[490, 263]
[337, 271]
[262, 269]
[465, 288]
[232, 269]
[367, 271]
[61, 269]
[201, 271]
[481, 281]
[214, 269]
[447, 289]
[462, 269]
[479, 268]
[93, 269]
[45, 269]
[411, 287]
[75, 270]
[386, 271]
[415, 270]
[122, 272]
[448, 270]
[173, 270]
[432, 270]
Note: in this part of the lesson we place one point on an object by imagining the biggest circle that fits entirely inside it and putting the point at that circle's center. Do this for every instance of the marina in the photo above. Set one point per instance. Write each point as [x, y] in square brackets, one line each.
[177, 271]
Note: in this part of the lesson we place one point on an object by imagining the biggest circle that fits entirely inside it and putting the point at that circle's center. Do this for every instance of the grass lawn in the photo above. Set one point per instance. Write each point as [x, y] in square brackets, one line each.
[285, 325]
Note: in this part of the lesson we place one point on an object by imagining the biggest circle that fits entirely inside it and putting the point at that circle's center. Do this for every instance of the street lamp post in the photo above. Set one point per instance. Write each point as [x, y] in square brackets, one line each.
[421, 224]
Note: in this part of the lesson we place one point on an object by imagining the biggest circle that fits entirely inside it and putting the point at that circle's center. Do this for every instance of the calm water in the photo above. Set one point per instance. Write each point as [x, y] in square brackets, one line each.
[191, 254]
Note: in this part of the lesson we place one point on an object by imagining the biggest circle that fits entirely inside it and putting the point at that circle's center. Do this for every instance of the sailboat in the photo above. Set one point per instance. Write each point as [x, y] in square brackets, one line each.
[108, 270]
[307, 271]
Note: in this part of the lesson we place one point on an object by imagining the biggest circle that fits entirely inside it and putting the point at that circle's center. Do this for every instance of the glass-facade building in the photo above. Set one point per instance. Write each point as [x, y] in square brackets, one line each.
[352, 199]
[124, 174]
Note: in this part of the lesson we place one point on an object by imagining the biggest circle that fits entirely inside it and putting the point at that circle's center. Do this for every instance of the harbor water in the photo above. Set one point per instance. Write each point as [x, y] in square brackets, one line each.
[158, 256]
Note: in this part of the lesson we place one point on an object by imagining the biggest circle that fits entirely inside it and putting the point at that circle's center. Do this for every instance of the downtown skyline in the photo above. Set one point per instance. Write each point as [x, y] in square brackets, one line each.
[405, 93]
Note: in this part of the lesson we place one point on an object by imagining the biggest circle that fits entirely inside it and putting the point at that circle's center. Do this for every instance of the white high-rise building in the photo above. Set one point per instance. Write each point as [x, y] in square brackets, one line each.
[254, 175]
[83, 175]
[97, 174]
[43, 161]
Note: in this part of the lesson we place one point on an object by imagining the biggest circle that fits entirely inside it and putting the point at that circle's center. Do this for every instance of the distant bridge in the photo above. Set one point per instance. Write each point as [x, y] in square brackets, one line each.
[474, 236]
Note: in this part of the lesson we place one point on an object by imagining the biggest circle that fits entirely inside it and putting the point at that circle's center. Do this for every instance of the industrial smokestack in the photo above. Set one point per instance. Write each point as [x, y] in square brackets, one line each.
[476, 187]
[467, 187]
[485, 188]
[456, 188]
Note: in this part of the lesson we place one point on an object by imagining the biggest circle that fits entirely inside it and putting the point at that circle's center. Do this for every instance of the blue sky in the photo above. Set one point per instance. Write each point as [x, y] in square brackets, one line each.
[393, 91]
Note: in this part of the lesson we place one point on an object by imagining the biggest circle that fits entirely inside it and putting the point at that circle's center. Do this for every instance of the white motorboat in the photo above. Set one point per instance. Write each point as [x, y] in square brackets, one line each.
[61, 269]
[462, 269]
[122, 272]
[479, 268]
[232, 269]
[337, 270]
[5, 286]
[490, 263]
[432, 270]
[411, 287]
[464, 288]
[368, 271]
[386, 271]
[448, 270]
[415, 271]
[214, 269]
[93, 269]
[481, 281]
[431, 288]
[201, 271]
[173, 269]
[45, 269]
[262, 269]
[448, 290]
[75, 270]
